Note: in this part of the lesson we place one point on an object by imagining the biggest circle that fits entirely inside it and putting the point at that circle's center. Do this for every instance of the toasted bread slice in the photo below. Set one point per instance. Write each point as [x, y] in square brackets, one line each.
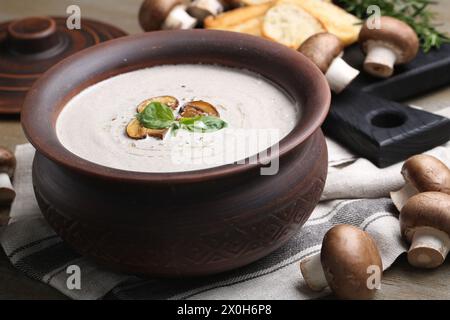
[289, 24]
[236, 17]
[335, 19]
[252, 26]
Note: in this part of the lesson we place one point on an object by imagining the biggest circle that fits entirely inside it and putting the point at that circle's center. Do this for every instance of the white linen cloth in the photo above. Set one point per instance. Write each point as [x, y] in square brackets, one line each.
[356, 192]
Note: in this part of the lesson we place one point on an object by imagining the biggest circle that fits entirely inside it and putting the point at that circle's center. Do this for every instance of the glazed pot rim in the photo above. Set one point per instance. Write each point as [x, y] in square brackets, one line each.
[39, 126]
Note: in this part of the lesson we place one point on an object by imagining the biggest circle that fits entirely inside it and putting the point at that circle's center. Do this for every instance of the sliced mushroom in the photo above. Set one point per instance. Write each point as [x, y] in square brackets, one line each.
[169, 101]
[422, 173]
[425, 223]
[165, 14]
[7, 167]
[201, 9]
[345, 263]
[325, 50]
[394, 43]
[198, 108]
[137, 131]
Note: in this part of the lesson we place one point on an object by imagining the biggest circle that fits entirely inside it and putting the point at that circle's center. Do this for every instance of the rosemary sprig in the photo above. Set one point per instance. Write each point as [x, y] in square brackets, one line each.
[416, 13]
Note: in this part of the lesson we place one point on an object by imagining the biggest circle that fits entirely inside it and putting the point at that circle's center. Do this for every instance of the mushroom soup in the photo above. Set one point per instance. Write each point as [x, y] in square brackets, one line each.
[175, 118]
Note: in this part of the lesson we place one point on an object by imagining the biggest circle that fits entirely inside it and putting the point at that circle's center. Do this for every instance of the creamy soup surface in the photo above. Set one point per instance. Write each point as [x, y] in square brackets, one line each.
[92, 124]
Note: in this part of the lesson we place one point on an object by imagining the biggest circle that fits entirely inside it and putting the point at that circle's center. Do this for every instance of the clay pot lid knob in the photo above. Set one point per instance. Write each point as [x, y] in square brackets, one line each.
[425, 223]
[421, 173]
[165, 14]
[32, 35]
[325, 50]
[347, 253]
[395, 42]
[201, 9]
[7, 167]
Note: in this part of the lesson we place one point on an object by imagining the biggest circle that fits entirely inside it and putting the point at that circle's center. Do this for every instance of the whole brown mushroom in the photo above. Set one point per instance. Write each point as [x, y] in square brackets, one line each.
[165, 14]
[422, 173]
[425, 223]
[348, 258]
[325, 50]
[231, 4]
[201, 9]
[7, 167]
[395, 42]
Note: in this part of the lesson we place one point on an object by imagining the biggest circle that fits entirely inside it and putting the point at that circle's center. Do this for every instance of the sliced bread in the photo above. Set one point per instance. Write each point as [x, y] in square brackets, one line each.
[236, 16]
[335, 19]
[289, 24]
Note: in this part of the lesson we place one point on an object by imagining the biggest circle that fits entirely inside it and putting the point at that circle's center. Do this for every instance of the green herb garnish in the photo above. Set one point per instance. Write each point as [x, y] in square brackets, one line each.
[156, 116]
[159, 116]
[414, 12]
[202, 124]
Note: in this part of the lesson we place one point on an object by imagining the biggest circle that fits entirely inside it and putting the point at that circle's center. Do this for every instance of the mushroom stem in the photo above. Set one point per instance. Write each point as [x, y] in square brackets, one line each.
[429, 248]
[400, 197]
[178, 18]
[201, 9]
[313, 274]
[340, 74]
[380, 61]
[7, 193]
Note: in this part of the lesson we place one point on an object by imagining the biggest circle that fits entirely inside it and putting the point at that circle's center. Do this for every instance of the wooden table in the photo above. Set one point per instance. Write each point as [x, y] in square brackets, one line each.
[400, 282]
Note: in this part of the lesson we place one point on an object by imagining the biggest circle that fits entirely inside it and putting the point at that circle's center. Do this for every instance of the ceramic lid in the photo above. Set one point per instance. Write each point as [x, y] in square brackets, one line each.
[30, 46]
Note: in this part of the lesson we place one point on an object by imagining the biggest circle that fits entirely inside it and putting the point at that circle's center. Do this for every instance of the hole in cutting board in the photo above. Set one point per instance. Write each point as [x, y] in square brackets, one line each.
[388, 119]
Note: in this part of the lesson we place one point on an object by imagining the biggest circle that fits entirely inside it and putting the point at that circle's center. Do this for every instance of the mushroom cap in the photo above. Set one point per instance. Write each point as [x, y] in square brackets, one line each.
[427, 173]
[198, 108]
[322, 48]
[153, 13]
[394, 34]
[232, 3]
[7, 162]
[346, 254]
[427, 209]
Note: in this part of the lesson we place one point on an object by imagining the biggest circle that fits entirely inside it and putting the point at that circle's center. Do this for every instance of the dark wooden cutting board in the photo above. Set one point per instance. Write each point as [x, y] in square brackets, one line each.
[369, 119]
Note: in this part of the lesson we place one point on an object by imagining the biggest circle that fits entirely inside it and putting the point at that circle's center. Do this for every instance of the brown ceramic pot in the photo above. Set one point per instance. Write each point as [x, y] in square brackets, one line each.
[178, 224]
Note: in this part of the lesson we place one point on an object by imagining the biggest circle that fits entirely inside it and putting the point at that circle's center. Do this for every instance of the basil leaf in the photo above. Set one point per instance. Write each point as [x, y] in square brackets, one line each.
[159, 116]
[174, 128]
[156, 116]
[214, 123]
[202, 124]
[189, 121]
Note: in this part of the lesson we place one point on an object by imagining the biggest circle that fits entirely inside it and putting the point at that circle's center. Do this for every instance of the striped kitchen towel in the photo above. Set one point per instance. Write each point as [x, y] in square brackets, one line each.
[356, 193]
